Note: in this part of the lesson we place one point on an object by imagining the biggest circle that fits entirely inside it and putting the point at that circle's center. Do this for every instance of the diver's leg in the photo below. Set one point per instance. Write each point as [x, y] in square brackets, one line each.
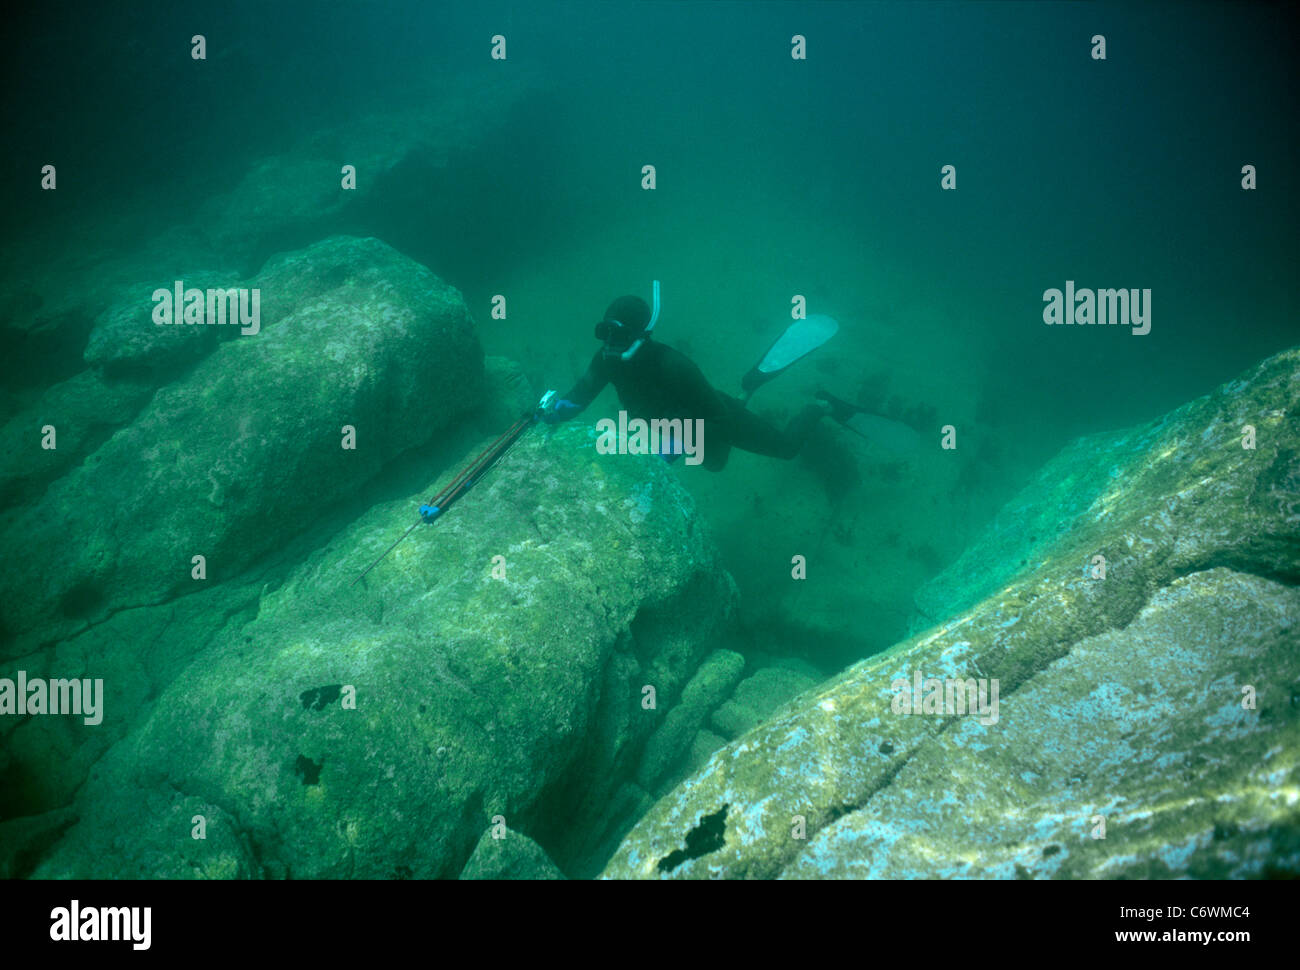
[716, 452]
[750, 432]
[920, 417]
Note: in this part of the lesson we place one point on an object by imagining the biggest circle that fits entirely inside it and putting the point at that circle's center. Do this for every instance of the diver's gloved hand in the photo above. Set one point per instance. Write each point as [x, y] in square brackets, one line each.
[560, 410]
[429, 512]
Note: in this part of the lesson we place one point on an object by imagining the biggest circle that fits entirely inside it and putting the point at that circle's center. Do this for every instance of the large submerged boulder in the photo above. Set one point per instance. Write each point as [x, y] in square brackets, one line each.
[493, 664]
[138, 651]
[1136, 605]
[246, 448]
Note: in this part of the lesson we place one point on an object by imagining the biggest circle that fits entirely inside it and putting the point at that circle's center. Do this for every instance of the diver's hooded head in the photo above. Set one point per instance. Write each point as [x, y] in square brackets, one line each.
[625, 326]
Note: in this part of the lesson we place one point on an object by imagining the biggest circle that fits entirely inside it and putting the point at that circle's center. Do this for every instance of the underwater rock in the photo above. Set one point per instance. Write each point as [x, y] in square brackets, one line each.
[1142, 727]
[510, 393]
[481, 669]
[671, 741]
[245, 449]
[22, 840]
[703, 746]
[512, 856]
[83, 410]
[169, 835]
[126, 338]
[1155, 705]
[1189, 464]
[44, 760]
[758, 696]
[130, 357]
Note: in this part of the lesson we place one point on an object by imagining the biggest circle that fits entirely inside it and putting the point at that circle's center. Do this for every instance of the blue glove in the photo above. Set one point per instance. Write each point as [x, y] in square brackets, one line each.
[429, 512]
[670, 450]
[561, 410]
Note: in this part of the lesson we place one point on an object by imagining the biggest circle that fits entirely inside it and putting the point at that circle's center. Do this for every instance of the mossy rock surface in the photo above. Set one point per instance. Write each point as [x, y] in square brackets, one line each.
[1157, 702]
[496, 659]
[239, 454]
[509, 855]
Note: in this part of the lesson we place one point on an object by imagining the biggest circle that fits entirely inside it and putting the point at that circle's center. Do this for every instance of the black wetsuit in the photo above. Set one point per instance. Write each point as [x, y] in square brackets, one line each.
[660, 382]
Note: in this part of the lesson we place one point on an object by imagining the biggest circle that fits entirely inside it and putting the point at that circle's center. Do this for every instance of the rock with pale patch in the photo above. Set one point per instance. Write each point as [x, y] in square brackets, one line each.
[1156, 701]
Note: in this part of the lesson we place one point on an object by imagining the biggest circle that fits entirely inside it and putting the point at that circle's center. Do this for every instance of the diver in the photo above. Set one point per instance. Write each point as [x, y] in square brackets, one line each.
[655, 381]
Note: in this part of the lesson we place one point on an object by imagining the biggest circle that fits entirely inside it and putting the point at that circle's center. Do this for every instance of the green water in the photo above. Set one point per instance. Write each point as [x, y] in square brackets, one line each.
[775, 176]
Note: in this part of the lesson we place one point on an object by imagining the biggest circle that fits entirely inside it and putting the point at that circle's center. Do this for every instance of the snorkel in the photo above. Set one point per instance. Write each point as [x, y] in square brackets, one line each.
[609, 330]
[654, 318]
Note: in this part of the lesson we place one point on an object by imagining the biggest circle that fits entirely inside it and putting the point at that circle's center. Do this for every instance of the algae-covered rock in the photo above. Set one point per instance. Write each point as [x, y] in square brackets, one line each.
[757, 697]
[126, 338]
[45, 760]
[1138, 734]
[510, 394]
[82, 412]
[702, 747]
[670, 744]
[159, 833]
[22, 840]
[242, 452]
[373, 729]
[129, 356]
[509, 855]
[1184, 480]
[1151, 701]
